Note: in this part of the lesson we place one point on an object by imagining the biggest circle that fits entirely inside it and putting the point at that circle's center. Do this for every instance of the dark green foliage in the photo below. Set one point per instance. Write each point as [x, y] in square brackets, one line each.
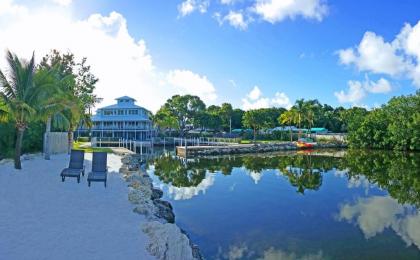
[183, 111]
[395, 125]
[32, 139]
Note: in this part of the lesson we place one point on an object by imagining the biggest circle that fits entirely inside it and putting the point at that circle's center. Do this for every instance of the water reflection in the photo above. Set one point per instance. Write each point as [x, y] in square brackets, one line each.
[374, 214]
[397, 173]
[297, 206]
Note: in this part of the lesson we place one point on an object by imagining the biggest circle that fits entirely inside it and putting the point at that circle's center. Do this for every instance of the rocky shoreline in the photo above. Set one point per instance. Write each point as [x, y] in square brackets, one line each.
[256, 148]
[166, 239]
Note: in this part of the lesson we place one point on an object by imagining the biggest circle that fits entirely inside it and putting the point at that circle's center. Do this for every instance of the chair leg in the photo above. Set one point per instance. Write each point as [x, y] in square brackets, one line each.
[78, 179]
[63, 178]
[88, 183]
[105, 184]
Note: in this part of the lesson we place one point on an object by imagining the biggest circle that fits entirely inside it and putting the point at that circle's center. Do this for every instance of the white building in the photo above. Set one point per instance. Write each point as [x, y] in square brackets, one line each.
[123, 120]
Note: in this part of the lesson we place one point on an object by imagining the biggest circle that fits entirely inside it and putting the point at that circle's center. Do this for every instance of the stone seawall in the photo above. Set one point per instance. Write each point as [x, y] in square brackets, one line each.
[167, 240]
[192, 151]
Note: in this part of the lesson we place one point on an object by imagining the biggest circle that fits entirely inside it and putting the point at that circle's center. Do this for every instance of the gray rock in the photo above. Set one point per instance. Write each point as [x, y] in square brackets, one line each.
[156, 194]
[164, 210]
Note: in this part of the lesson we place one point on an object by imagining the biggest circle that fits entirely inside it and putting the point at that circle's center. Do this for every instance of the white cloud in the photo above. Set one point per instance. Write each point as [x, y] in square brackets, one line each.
[8, 7]
[243, 251]
[380, 86]
[233, 83]
[358, 90]
[189, 6]
[374, 54]
[121, 62]
[279, 254]
[281, 100]
[272, 11]
[237, 20]
[397, 58]
[277, 10]
[187, 82]
[186, 193]
[255, 100]
[354, 94]
[227, 2]
[375, 214]
[63, 2]
[255, 93]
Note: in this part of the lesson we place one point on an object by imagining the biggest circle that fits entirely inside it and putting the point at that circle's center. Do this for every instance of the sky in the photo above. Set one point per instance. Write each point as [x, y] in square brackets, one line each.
[250, 53]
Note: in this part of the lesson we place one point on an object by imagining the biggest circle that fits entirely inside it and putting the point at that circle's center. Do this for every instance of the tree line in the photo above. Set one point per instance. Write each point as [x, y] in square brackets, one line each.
[395, 125]
[56, 93]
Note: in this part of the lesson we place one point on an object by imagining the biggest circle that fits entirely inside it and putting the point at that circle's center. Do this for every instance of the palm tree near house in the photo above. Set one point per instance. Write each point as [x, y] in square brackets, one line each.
[18, 93]
[75, 115]
[57, 104]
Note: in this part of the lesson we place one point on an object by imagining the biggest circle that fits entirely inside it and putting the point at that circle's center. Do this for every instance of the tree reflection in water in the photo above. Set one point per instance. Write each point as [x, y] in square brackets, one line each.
[399, 173]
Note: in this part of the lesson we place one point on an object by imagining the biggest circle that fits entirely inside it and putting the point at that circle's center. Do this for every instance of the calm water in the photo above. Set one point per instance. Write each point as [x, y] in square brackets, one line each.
[341, 205]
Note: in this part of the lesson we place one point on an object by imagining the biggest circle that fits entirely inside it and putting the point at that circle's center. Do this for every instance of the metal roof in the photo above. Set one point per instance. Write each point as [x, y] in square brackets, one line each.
[123, 105]
[125, 98]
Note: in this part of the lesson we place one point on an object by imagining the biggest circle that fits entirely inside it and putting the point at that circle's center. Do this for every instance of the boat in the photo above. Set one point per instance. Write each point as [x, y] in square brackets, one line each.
[305, 143]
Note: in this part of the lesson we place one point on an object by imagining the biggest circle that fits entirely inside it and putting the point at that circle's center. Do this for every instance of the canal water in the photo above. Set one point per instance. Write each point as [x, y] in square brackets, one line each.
[311, 205]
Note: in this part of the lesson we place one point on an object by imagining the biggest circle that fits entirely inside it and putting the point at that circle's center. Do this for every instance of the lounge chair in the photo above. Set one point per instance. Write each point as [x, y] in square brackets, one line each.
[76, 167]
[99, 168]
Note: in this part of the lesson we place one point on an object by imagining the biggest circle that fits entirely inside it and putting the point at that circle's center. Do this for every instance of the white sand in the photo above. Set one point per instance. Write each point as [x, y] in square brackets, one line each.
[44, 218]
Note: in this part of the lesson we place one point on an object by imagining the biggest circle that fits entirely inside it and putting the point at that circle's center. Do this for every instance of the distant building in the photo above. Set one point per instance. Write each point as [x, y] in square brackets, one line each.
[123, 120]
[319, 130]
[283, 129]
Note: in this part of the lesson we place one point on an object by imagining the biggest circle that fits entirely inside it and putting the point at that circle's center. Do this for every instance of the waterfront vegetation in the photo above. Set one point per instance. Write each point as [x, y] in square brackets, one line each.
[56, 93]
[395, 125]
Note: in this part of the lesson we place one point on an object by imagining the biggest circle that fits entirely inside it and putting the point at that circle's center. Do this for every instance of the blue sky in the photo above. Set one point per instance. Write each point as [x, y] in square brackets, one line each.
[288, 52]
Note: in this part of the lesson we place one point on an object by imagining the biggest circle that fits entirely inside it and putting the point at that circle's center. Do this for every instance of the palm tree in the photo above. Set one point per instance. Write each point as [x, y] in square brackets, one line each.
[300, 109]
[19, 97]
[75, 115]
[58, 104]
[310, 117]
[286, 119]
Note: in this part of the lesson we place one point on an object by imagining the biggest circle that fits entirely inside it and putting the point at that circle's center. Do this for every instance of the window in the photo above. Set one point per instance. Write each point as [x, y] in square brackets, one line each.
[108, 112]
[133, 112]
[120, 112]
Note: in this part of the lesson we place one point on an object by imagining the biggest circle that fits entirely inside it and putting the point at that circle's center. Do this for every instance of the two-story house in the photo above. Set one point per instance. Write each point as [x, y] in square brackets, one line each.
[123, 120]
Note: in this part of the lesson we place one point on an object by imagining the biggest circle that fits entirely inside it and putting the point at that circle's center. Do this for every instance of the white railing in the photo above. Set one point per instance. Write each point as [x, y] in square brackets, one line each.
[205, 141]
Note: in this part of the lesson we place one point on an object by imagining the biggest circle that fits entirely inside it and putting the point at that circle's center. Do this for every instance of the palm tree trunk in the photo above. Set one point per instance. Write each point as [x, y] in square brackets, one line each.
[255, 134]
[47, 140]
[18, 150]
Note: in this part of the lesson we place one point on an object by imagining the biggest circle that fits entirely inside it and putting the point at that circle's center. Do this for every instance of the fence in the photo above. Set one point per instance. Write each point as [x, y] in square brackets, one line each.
[205, 141]
[332, 137]
[140, 147]
[56, 142]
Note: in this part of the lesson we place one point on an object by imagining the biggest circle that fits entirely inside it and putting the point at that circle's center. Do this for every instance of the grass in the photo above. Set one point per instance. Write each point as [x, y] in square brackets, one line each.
[89, 149]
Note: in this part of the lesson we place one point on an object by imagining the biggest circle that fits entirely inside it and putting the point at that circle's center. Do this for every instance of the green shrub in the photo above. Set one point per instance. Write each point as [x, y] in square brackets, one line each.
[32, 139]
[83, 139]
